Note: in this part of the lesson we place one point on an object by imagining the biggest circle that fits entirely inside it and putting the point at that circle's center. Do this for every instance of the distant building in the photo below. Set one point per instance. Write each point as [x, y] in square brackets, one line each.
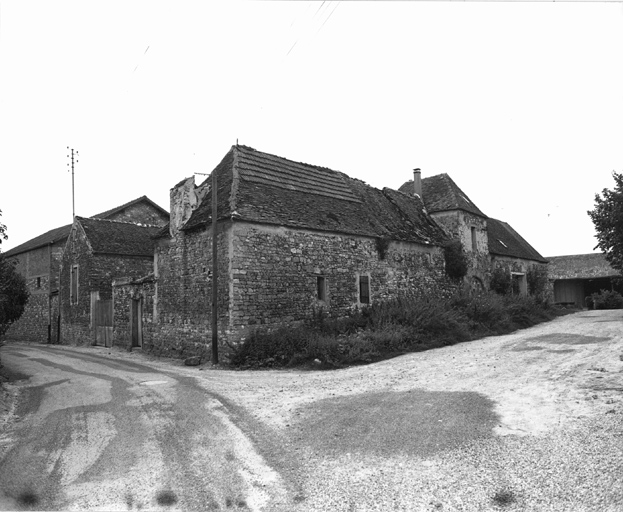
[576, 277]
[38, 260]
[97, 252]
[490, 243]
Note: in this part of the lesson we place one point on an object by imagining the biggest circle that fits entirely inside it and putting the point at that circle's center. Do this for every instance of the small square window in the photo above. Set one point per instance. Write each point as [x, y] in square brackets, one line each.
[364, 289]
[321, 288]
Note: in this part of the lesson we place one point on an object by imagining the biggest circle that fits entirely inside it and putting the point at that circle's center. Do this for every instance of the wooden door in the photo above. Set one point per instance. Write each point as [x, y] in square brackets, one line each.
[136, 323]
[103, 323]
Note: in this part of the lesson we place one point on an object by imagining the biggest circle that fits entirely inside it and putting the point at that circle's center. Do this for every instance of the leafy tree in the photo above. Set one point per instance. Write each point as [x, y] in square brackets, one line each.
[607, 216]
[13, 290]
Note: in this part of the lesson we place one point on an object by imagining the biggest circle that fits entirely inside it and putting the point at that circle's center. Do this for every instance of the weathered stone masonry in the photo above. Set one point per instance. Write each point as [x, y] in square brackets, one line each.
[268, 277]
[275, 272]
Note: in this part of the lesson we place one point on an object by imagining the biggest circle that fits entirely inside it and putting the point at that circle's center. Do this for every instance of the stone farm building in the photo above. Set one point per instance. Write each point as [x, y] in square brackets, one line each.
[490, 243]
[98, 251]
[577, 276]
[38, 260]
[293, 239]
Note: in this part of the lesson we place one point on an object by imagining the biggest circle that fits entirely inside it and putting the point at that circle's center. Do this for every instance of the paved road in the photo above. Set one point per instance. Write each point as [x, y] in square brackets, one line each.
[99, 433]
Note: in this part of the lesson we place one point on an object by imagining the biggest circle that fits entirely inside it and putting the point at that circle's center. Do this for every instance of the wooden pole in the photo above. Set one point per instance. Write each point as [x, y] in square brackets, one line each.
[214, 274]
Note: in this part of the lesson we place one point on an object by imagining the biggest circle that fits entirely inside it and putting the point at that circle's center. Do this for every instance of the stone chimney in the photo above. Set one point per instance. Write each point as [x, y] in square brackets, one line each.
[417, 182]
[183, 201]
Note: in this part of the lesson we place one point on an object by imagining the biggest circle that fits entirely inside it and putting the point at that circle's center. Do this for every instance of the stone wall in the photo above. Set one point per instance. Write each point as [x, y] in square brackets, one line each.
[275, 273]
[141, 213]
[458, 224]
[125, 291]
[183, 294]
[40, 269]
[269, 276]
[95, 275]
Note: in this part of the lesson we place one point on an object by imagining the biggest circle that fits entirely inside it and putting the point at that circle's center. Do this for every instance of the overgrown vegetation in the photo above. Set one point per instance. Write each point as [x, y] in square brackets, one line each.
[407, 324]
[605, 299]
[457, 262]
[13, 289]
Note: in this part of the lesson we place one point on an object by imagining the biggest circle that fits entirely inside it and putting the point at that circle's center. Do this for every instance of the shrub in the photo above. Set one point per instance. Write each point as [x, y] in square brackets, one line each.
[537, 281]
[457, 262]
[501, 281]
[605, 299]
[406, 324]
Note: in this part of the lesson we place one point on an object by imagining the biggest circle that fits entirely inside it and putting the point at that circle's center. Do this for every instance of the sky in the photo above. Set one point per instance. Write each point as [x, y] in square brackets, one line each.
[521, 103]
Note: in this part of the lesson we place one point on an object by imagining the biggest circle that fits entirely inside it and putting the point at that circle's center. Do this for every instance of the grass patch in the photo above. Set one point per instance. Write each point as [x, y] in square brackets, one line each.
[384, 330]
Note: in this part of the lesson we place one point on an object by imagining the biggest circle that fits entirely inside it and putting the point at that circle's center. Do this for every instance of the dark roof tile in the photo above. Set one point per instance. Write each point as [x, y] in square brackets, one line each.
[440, 193]
[505, 241]
[120, 238]
[580, 266]
[264, 188]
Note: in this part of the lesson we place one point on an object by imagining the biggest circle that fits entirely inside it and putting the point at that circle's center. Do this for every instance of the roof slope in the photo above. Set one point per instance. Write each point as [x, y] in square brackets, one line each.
[260, 187]
[142, 199]
[120, 238]
[61, 234]
[440, 194]
[505, 241]
[52, 236]
[580, 266]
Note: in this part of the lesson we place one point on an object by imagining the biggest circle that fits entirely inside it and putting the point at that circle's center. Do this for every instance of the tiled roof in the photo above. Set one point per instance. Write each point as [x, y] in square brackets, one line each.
[259, 187]
[505, 241]
[52, 236]
[142, 199]
[61, 234]
[120, 238]
[440, 194]
[580, 266]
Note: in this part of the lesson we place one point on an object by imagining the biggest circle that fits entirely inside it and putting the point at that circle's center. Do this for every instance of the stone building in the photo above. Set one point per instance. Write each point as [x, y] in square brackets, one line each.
[576, 277]
[292, 239]
[38, 260]
[97, 252]
[489, 243]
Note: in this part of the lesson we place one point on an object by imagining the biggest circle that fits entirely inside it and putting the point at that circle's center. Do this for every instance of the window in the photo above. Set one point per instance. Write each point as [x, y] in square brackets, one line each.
[73, 285]
[321, 288]
[364, 289]
[474, 244]
[38, 282]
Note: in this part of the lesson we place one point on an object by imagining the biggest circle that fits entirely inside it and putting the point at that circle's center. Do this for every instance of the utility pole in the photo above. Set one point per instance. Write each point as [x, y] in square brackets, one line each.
[74, 160]
[214, 274]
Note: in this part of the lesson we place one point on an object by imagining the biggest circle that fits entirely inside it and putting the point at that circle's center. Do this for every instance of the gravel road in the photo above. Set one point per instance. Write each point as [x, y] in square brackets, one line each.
[527, 421]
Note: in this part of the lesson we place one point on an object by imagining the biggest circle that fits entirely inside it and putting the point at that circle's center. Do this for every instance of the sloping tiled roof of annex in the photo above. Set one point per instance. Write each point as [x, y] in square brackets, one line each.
[580, 266]
[440, 194]
[50, 237]
[120, 238]
[264, 188]
[505, 241]
[61, 234]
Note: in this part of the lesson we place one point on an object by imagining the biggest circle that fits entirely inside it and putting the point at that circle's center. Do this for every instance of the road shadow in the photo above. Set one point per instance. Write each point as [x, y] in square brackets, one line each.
[418, 423]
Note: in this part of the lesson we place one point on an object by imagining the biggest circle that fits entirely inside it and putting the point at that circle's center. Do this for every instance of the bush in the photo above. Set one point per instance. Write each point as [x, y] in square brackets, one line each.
[406, 324]
[501, 281]
[605, 299]
[457, 262]
[537, 281]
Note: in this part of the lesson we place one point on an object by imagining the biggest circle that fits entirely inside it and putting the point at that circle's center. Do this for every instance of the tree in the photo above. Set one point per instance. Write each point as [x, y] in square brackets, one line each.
[3, 235]
[13, 290]
[607, 216]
